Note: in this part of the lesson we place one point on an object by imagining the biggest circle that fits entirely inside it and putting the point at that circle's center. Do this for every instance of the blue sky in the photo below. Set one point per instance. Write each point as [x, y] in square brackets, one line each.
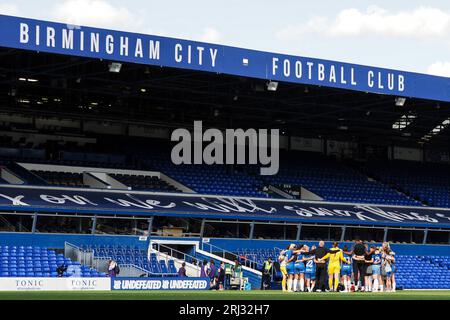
[410, 35]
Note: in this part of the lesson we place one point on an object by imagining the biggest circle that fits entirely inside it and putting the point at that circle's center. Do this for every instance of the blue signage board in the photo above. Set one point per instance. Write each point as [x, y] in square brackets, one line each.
[72, 200]
[151, 284]
[111, 45]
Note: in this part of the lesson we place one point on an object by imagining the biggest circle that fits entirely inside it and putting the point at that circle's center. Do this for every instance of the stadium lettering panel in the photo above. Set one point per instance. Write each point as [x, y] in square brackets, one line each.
[58, 38]
[95, 42]
[141, 203]
[159, 284]
[337, 74]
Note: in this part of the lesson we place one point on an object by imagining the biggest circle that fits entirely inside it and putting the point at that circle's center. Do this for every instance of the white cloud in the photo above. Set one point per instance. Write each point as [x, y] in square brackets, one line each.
[96, 13]
[210, 35]
[439, 68]
[9, 9]
[422, 22]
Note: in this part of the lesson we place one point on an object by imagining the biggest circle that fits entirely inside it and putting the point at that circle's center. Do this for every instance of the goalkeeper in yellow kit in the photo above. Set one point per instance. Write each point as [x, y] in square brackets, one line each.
[336, 256]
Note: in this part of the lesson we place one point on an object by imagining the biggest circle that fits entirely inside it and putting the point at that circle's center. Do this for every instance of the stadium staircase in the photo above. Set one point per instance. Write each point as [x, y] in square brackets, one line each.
[428, 183]
[371, 174]
[162, 254]
[209, 251]
[201, 251]
[25, 175]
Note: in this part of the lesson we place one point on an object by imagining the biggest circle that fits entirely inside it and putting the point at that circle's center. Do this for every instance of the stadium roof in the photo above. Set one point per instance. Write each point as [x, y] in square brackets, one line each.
[87, 72]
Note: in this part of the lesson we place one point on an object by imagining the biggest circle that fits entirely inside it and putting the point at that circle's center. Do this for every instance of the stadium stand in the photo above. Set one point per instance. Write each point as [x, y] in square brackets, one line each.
[217, 180]
[319, 174]
[206, 179]
[63, 179]
[423, 272]
[140, 182]
[414, 272]
[387, 183]
[334, 181]
[29, 261]
[428, 183]
[324, 176]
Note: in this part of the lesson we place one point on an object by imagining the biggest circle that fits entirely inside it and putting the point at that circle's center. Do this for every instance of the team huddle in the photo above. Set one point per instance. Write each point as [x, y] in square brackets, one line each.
[357, 269]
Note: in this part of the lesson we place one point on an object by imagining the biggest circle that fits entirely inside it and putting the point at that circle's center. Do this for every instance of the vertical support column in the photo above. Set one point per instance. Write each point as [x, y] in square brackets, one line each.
[33, 226]
[299, 231]
[252, 230]
[343, 233]
[385, 234]
[94, 224]
[202, 230]
[425, 236]
[150, 227]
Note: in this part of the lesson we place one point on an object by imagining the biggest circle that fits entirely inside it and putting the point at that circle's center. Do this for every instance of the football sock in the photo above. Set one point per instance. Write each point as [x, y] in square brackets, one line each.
[336, 284]
[375, 285]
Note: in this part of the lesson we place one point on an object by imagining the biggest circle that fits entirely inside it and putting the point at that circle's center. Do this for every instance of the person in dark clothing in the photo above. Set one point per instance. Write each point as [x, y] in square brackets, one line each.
[321, 266]
[359, 252]
[266, 274]
[60, 270]
[228, 273]
[368, 261]
[113, 269]
[221, 276]
[182, 271]
[212, 273]
[204, 269]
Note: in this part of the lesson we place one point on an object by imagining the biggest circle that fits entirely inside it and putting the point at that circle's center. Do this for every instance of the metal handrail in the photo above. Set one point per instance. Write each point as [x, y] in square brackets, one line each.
[147, 272]
[248, 262]
[172, 251]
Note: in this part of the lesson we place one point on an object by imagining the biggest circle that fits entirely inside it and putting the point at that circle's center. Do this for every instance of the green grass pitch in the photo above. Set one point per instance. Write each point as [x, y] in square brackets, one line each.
[222, 295]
